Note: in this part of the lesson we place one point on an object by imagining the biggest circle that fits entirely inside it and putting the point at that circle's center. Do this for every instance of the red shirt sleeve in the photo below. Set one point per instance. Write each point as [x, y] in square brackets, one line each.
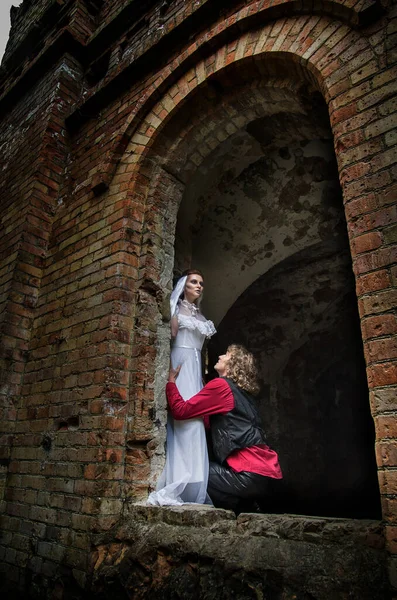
[256, 459]
[215, 398]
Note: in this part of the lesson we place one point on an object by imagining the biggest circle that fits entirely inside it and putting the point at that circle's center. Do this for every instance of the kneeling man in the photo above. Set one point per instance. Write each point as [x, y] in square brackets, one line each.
[244, 466]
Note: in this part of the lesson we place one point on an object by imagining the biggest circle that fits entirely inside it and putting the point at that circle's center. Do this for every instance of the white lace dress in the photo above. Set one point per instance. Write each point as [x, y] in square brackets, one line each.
[184, 478]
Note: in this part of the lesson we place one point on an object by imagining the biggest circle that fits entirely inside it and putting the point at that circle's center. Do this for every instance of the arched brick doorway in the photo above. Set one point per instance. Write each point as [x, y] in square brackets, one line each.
[90, 353]
[254, 178]
[267, 204]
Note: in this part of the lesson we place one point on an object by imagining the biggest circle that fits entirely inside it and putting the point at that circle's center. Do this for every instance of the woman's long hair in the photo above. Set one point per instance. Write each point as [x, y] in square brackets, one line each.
[242, 369]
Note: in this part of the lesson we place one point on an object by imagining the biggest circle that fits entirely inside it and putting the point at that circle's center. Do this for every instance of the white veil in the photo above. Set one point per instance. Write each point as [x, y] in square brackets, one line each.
[176, 293]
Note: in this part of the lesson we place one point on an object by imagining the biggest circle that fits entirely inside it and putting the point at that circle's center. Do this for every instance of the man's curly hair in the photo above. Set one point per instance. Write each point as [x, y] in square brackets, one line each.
[242, 369]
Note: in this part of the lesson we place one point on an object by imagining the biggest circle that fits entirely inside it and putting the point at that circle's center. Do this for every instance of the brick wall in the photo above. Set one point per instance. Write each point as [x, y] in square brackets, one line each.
[89, 213]
[23, 19]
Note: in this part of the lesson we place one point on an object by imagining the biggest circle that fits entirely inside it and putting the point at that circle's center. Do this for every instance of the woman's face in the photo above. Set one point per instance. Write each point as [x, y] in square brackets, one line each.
[193, 288]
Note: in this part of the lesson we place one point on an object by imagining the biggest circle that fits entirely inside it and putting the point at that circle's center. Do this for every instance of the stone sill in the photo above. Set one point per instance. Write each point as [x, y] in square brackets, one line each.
[173, 552]
[320, 530]
[329, 530]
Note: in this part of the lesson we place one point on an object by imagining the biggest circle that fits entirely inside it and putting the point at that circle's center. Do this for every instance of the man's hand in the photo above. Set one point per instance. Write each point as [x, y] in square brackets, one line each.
[173, 374]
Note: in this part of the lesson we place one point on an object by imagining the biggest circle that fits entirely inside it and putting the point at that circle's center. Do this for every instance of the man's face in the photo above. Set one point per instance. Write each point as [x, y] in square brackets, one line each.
[222, 364]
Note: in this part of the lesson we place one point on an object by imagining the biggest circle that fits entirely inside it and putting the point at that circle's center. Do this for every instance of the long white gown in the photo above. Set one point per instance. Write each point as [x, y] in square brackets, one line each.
[185, 476]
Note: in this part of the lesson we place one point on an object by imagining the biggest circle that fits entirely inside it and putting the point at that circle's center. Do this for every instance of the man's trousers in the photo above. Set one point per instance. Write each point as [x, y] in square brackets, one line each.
[230, 489]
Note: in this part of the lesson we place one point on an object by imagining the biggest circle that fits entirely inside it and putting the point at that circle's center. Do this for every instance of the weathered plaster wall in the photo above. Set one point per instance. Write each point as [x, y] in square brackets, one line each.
[286, 199]
[300, 319]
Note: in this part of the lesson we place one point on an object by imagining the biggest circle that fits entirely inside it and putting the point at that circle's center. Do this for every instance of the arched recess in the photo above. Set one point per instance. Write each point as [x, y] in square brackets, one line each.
[182, 158]
[258, 17]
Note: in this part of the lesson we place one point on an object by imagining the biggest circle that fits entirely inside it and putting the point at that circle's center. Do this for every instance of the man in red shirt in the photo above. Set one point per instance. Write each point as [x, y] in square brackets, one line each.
[244, 466]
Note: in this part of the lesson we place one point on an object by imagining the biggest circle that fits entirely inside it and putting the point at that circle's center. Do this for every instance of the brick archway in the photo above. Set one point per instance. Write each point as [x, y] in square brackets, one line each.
[338, 65]
[89, 240]
[274, 37]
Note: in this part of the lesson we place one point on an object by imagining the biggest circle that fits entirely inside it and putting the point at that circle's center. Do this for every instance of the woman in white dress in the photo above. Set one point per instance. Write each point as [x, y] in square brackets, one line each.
[185, 476]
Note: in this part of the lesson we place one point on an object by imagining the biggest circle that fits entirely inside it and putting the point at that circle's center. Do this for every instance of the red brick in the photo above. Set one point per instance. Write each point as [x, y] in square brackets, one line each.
[380, 350]
[391, 536]
[382, 217]
[353, 94]
[386, 427]
[356, 122]
[373, 282]
[385, 76]
[387, 481]
[386, 454]
[352, 172]
[103, 471]
[137, 472]
[384, 159]
[375, 260]
[378, 95]
[365, 71]
[341, 114]
[366, 185]
[389, 509]
[360, 206]
[382, 374]
[380, 126]
[366, 242]
[379, 326]
[349, 154]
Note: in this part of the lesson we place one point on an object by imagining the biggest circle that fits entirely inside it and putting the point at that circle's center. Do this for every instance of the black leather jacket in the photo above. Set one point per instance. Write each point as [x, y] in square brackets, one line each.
[239, 428]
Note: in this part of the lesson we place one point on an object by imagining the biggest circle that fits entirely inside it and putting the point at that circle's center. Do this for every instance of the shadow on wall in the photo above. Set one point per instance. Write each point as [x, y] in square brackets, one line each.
[300, 320]
[262, 217]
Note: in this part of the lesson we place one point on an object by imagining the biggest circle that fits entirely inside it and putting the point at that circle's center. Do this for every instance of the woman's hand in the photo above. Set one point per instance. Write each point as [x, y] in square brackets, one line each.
[173, 374]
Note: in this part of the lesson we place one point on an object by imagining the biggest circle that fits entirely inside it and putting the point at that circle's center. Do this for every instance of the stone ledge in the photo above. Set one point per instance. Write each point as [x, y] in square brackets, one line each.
[181, 548]
[283, 526]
